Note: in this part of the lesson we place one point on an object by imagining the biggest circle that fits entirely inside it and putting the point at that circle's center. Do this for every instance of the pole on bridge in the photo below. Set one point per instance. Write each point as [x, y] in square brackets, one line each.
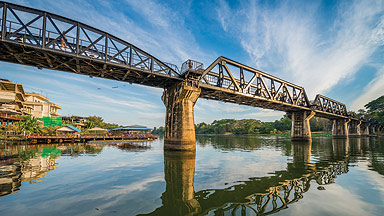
[179, 101]
[301, 130]
[4, 22]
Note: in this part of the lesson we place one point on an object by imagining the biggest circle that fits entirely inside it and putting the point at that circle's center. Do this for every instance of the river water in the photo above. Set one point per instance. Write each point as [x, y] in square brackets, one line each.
[228, 175]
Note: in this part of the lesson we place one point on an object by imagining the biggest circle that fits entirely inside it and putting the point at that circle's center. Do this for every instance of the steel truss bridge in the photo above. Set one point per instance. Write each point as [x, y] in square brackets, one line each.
[44, 40]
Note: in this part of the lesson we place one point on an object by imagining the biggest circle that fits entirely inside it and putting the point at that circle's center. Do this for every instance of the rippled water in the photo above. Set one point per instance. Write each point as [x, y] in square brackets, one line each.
[228, 175]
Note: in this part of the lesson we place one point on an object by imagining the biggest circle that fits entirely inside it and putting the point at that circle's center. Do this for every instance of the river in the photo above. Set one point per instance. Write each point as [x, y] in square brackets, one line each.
[228, 175]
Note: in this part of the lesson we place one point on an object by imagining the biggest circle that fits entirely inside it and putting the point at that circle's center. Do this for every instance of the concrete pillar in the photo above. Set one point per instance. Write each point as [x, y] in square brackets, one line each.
[380, 130]
[179, 101]
[354, 128]
[179, 195]
[364, 129]
[340, 128]
[372, 130]
[301, 129]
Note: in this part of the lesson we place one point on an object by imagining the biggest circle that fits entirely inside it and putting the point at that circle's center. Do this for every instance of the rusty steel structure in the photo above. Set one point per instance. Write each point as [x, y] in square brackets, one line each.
[229, 81]
[45, 40]
[324, 106]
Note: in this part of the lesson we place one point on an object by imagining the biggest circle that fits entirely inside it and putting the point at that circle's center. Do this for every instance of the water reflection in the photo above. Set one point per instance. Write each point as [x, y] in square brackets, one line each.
[29, 163]
[179, 196]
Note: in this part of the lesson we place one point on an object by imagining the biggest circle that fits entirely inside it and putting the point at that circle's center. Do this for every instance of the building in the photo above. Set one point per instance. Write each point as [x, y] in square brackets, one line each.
[12, 98]
[132, 129]
[41, 106]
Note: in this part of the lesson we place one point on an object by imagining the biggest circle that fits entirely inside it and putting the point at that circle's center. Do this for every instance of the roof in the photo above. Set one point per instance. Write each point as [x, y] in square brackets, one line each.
[55, 105]
[69, 128]
[97, 129]
[36, 95]
[133, 127]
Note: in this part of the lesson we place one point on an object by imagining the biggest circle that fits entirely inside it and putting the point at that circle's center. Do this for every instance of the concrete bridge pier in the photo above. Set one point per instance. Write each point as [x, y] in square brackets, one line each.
[372, 130]
[364, 129]
[179, 101]
[340, 128]
[354, 128]
[301, 130]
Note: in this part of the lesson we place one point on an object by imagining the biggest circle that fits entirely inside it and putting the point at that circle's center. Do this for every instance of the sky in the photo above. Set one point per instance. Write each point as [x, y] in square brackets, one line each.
[334, 48]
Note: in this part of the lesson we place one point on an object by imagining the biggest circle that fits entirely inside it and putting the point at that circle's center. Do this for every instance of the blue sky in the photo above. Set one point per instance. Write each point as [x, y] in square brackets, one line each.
[330, 47]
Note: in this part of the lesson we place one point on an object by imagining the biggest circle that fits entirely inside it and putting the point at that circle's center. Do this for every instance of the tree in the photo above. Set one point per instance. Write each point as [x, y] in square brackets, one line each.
[361, 112]
[375, 105]
[97, 121]
[375, 109]
[158, 131]
[30, 125]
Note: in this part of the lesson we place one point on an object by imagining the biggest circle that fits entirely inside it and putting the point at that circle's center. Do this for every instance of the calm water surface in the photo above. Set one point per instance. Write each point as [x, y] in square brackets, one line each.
[228, 175]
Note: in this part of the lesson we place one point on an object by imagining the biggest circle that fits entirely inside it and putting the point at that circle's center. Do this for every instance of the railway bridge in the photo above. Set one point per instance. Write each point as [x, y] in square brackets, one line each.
[45, 40]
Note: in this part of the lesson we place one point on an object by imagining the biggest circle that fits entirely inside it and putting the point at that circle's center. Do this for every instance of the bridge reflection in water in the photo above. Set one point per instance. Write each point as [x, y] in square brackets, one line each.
[263, 195]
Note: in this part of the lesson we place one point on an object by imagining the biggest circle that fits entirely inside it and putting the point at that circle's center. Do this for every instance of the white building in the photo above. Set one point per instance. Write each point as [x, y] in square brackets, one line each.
[41, 106]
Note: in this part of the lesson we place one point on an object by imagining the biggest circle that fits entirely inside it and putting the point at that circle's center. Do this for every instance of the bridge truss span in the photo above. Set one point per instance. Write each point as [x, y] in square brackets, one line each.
[328, 108]
[45, 40]
[229, 81]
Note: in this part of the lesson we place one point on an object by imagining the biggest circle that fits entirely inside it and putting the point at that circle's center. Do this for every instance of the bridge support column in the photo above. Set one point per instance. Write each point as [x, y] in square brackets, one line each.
[364, 129]
[340, 128]
[354, 128]
[301, 130]
[179, 120]
[372, 130]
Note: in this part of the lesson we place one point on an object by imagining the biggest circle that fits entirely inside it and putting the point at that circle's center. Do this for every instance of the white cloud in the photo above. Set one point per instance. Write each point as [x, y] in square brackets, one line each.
[290, 40]
[373, 90]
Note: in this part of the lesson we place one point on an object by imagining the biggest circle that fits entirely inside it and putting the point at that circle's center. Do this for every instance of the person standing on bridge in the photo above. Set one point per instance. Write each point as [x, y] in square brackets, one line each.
[63, 43]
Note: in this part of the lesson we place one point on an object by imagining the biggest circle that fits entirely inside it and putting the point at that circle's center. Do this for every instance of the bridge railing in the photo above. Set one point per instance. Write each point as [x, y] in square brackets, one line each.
[191, 64]
[31, 27]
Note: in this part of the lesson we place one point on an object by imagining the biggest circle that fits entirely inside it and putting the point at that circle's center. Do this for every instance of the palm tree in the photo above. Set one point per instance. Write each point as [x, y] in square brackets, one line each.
[30, 125]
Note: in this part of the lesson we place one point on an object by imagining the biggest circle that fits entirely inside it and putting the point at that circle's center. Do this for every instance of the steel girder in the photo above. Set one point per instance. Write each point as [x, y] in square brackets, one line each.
[326, 107]
[45, 40]
[229, 81]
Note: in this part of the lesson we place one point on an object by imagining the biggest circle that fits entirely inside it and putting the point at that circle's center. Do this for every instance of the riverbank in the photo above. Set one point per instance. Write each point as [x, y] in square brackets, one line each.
[285, 134]
[79, 138]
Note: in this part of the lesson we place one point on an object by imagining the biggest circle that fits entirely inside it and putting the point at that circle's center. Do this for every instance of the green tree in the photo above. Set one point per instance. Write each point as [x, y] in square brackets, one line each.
[158, 131]
[375, 105]
[30, 125]
[375, 109]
